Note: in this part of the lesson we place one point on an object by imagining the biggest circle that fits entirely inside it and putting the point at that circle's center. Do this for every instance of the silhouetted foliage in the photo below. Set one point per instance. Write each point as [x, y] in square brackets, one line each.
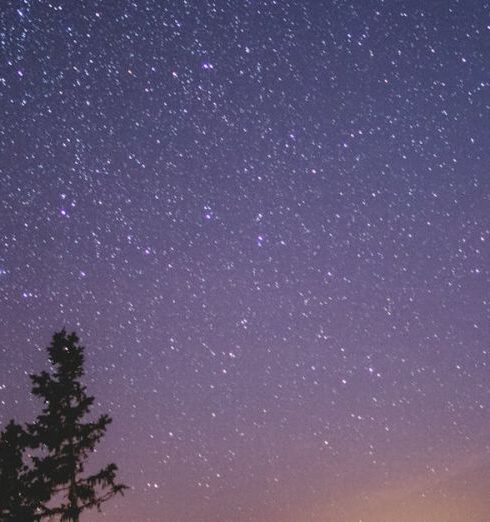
[52, 482]
[19, 496]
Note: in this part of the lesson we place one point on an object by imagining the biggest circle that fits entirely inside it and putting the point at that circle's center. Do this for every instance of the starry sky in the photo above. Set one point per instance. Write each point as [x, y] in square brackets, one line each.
[269, 223]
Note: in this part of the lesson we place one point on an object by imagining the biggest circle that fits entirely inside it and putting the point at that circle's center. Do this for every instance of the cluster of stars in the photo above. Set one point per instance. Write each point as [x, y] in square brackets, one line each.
[269, 223]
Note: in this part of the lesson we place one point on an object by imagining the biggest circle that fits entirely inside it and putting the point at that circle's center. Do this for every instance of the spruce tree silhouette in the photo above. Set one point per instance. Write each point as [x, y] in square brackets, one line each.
[20, 492]
[63, 440]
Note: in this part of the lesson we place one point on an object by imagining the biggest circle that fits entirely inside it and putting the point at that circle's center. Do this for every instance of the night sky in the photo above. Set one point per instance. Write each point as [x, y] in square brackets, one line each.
[269, 223]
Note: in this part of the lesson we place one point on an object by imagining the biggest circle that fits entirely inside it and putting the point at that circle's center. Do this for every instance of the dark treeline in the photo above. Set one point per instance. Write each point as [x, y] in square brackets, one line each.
[42, 463]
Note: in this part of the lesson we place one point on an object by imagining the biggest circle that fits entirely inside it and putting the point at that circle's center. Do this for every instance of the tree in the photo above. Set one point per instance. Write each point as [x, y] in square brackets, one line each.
[19, 498]
[62, 441]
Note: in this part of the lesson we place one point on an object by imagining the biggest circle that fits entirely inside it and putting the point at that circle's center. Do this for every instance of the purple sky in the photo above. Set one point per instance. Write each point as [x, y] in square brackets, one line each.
[269, 223]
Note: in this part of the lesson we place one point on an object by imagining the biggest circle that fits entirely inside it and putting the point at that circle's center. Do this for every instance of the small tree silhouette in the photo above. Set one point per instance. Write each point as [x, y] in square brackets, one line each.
[50, 480]
[19, 493]
[63, 436]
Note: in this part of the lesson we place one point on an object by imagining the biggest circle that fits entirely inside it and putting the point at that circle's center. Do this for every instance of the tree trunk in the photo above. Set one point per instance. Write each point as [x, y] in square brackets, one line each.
[72, 493]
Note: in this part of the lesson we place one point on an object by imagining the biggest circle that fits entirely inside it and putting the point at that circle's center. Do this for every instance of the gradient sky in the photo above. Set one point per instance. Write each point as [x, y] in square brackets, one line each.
[269, 223]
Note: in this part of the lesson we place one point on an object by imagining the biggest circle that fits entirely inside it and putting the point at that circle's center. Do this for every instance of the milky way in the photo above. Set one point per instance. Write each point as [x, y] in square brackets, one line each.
[269, 223]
